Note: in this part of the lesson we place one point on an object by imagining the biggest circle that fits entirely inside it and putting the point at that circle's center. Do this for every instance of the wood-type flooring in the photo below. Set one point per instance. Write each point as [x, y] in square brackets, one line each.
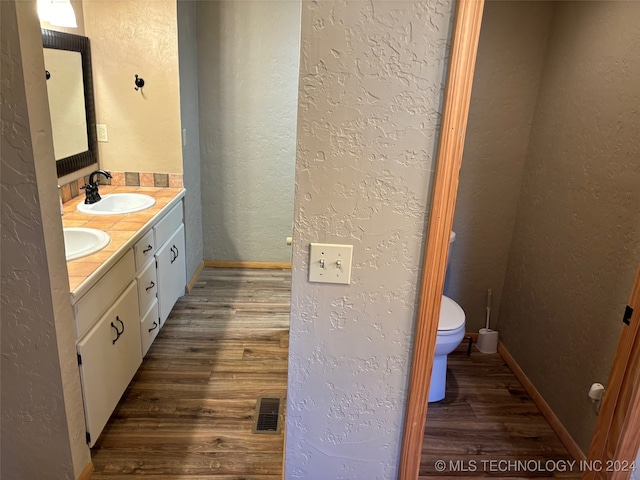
[189, 411]
[488, 426]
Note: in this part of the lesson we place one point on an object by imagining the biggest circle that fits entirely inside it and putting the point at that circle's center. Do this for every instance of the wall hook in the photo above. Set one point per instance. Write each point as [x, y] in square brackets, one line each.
[139, 82]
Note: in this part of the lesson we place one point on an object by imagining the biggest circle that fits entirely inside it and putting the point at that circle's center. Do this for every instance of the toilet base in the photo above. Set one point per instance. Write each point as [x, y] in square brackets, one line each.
[438, 379]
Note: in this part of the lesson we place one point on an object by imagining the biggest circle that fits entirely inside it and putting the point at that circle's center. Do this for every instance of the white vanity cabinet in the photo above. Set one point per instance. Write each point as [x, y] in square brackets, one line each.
[119, 314]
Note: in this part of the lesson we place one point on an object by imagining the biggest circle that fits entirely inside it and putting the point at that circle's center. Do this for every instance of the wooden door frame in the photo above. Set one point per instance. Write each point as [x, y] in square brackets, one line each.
[617, 434]
[464, 47]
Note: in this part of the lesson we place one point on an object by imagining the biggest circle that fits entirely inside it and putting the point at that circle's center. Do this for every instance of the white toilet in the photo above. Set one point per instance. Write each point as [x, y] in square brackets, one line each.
[451, 329]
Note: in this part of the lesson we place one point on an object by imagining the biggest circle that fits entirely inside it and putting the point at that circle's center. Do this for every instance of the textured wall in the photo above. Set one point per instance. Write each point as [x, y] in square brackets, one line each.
[128, 38]
[188, 54]
[577, 238]
[505, 89]
[42, 416]
[371, 87]
[248, 59]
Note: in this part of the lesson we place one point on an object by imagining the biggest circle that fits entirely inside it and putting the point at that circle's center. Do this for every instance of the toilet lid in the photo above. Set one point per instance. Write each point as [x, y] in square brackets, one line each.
[451, 315]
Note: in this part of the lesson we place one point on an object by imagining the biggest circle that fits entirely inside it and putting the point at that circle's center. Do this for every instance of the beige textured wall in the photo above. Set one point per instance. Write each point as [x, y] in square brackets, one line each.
[371, 87]
[576, 243]
[513, 39]
[128, 38]
[42, 416]
[248, 63]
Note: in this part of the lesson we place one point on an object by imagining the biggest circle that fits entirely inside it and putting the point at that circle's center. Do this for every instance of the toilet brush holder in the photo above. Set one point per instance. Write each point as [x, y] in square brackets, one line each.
[487, 340]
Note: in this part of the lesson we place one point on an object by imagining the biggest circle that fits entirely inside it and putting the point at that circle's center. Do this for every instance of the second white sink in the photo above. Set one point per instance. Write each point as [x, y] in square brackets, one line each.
[118, 204]
[80, 242]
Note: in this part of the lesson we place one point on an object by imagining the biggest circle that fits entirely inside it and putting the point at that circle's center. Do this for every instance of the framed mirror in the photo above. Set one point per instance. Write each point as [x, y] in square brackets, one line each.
[67, 61]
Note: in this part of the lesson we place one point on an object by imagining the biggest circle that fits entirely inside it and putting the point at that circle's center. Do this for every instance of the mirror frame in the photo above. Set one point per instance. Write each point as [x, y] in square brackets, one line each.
[77, 43]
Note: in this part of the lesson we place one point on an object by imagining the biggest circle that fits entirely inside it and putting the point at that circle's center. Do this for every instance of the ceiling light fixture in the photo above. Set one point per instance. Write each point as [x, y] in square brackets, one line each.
[58, 13]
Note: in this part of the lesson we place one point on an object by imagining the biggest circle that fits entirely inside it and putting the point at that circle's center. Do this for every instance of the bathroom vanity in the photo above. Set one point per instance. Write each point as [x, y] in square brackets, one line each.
[123, 294]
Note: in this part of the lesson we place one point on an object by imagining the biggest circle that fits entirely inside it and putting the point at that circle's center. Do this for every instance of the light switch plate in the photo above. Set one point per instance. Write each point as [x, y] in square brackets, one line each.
[329, 263]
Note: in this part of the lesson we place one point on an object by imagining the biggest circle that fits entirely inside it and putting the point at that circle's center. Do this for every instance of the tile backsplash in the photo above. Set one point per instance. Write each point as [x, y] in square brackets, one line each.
[121, 179]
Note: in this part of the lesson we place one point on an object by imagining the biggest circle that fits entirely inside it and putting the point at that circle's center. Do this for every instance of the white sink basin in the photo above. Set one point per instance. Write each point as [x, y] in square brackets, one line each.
[118, 203]
[80, 242]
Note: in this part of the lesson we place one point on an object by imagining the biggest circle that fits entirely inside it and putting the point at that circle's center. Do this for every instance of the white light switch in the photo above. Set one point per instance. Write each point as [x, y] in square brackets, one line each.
[330, 263]
[102, 132]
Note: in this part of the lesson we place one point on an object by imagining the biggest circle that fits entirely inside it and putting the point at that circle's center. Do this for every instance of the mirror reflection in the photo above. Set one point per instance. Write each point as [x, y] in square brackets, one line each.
[66, 102]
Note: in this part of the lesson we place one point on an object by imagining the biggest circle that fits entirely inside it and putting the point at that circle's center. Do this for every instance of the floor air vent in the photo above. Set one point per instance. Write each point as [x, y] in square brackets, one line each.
[268, 414]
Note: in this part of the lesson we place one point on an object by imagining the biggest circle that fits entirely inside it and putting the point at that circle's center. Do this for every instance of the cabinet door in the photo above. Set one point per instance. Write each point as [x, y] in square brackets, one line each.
[110, 355]
[172, 276]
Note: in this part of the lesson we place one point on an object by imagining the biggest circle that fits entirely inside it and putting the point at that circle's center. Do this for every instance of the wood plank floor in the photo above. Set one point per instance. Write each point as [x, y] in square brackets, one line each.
[488, 416]
[189, 411]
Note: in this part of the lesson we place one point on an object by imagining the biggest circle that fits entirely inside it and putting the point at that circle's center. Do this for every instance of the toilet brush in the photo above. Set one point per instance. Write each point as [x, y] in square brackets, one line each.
[488, 309]
[487, 338]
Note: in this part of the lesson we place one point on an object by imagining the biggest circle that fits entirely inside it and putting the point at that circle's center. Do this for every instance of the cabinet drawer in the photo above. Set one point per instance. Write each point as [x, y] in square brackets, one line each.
[147, 287]
[149, 327]
[144, 249]
[101, 296]
[110, 355]
[167, 224]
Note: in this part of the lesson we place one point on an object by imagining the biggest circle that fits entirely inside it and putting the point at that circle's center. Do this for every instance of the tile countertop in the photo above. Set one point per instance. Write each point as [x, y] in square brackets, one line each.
[124, 231]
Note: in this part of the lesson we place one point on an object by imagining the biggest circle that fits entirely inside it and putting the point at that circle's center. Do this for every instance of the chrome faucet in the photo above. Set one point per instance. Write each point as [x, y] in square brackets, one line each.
[92, 188]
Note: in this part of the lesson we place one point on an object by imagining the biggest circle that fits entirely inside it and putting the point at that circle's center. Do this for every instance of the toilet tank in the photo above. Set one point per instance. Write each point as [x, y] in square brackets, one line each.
[452, 238]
